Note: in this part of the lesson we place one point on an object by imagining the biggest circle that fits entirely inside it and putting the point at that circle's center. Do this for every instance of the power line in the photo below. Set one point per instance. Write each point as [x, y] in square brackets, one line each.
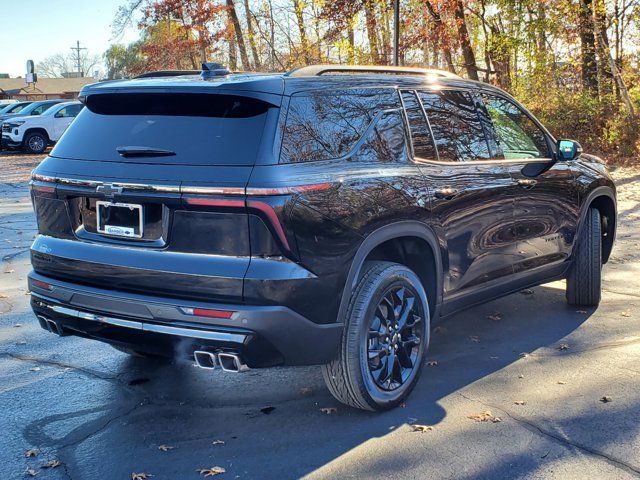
[77, 49]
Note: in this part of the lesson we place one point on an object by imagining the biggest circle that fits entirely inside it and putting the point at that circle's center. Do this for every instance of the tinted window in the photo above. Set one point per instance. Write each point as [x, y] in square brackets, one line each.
[386, 142]
[456, 126]
[324, 125]
[517, 135]
[42, 108]
[69, 111]
[422, 142]
[202, 129]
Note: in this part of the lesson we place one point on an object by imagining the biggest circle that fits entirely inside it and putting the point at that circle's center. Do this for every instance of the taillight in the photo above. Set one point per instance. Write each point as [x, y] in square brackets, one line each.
[41, 284]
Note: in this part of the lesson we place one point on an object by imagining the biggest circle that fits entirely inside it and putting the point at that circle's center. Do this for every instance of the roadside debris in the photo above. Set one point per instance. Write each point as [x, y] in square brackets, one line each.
[210, 472]
[421, 428]
[485, 416]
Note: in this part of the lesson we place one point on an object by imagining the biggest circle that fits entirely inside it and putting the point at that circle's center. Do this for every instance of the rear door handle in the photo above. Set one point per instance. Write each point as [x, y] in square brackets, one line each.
[446, 193]
[527, 183]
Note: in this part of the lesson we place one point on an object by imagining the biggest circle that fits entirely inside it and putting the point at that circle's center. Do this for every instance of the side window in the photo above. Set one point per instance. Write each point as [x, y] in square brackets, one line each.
[423, 146]
[456, 126]
[517, 135]
[74, 110]
[324, 125]
[386, 142]
[39, 109]
[62, 113]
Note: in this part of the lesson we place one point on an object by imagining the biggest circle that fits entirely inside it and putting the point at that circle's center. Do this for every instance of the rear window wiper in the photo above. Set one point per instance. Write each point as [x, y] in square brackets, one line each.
[144, 152]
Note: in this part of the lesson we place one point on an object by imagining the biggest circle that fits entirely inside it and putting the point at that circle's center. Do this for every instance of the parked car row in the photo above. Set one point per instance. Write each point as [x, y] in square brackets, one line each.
[33, 126]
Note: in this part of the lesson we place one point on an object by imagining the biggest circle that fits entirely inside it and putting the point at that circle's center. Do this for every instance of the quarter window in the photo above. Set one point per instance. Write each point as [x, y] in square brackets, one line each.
[326, 125]
[423, 146]
[456, 126]
[517, 136]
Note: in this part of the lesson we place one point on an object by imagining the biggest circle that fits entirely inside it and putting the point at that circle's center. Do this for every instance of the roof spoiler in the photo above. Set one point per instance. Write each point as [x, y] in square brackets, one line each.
[318, 70]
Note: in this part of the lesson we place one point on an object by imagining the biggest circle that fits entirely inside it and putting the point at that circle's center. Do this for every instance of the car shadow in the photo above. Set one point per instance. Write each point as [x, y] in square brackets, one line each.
[272, 420]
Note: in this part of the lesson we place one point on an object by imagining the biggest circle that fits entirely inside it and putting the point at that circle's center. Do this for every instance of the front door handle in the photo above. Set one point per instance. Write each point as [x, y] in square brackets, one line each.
[446, 193]
[527, 183]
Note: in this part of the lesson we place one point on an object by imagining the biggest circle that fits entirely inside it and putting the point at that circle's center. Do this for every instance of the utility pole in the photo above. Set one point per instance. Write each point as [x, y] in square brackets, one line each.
[77, 49]
[396, 32]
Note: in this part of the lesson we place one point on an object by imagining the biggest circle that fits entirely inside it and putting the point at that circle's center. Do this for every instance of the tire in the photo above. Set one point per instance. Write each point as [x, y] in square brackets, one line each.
[584, 281]
[355, 377]
[35, 142]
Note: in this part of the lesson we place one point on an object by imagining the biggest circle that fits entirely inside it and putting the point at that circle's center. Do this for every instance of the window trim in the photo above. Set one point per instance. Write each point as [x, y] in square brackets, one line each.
[413, 157]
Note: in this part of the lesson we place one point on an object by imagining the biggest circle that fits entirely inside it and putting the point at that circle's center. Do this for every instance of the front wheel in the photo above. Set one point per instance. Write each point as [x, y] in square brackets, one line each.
[35, 142]
[386, 335]
[585, 277]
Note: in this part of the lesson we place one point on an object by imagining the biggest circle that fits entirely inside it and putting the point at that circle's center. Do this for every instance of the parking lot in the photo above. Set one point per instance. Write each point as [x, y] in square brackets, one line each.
[522, 387]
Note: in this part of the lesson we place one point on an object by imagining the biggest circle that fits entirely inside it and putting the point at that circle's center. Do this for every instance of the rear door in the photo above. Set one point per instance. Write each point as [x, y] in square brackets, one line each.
[150, 194]
[546, 197]
[471, 204]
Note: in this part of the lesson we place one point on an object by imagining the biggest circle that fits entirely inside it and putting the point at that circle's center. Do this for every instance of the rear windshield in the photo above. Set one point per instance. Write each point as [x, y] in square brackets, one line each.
[198, 129]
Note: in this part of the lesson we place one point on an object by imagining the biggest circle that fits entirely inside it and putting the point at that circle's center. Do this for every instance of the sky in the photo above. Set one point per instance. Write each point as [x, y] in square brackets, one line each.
[35, 29]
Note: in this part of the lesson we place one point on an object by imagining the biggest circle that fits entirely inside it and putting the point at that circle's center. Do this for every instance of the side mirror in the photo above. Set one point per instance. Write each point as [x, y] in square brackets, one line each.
[568, 149]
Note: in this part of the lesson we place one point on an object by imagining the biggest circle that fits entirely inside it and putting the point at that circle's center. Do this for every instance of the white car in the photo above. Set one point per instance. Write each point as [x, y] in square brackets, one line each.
[34, 133]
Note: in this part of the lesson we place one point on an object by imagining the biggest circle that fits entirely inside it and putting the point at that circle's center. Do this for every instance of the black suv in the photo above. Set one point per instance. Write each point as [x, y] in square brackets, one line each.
[329, 215]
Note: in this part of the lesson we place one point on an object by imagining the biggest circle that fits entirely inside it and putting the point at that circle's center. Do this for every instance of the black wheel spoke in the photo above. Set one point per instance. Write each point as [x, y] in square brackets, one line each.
[395, 331]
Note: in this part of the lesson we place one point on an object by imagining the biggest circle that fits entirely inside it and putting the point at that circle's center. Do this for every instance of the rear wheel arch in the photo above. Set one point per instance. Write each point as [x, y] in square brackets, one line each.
[408, 243]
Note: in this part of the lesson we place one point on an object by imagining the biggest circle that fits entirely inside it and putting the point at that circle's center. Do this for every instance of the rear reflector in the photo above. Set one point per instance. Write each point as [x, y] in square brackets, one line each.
[206, 312]
[43, 188]
[41, 284]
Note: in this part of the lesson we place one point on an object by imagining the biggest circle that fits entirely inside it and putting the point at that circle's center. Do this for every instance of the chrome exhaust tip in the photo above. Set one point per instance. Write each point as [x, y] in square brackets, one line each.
[52, 326]
[231, 362]
[206, 360]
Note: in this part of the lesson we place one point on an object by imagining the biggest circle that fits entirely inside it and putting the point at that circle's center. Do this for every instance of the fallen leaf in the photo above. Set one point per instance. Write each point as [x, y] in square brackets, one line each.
[563, 346]
[526, 291]
[519, 402]
[474, 338]
[625, 314]
[9, 271]
[496, 317]
[52, 463]
[32, 472]
[432, 363]
[165, 448]
[329, 410]
[217, 442]
[421, 428]
[17, 325]
[605, 399]
[440, 329]
[211, 472]
[140, 476]
[32, 452]
[2, 295]
[523, 355]
[485, 416]
[560, 382]
[520, 376]
[34, 369]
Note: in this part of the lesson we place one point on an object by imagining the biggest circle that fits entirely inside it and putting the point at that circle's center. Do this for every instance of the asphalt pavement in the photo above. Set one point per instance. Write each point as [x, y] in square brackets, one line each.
[522, 387]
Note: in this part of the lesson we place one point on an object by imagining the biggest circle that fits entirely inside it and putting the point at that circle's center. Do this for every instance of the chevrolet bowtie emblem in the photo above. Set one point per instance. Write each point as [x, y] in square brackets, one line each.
[109, 190]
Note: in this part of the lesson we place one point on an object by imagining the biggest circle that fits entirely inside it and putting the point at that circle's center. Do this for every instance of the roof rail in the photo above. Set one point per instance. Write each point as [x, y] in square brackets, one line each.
[317, 70]
[167, 73]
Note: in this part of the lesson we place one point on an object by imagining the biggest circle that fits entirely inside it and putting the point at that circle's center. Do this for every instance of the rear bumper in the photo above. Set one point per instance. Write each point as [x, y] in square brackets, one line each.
[264, 335]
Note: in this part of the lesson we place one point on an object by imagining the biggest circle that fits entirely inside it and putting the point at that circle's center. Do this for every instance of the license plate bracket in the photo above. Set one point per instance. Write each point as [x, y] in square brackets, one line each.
[123, 220]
